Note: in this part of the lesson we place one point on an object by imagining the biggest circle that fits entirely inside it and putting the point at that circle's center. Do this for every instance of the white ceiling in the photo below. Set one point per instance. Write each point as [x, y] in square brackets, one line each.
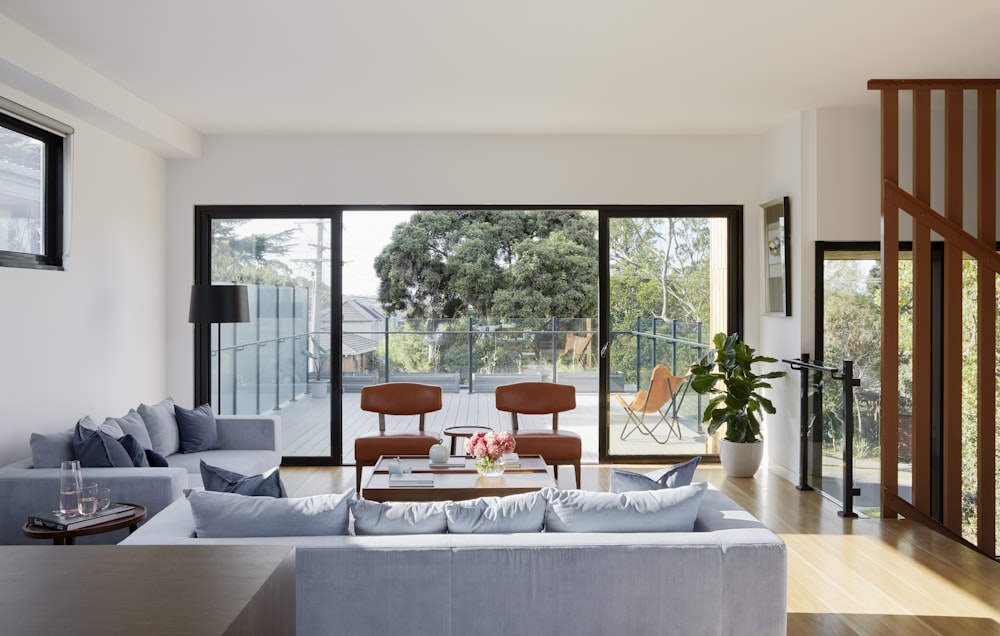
[512, 66]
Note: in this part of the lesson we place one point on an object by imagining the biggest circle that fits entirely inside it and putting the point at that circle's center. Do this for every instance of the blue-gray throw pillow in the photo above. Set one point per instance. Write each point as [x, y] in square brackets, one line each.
[156, 460]
[399, 517]
[671, 477]
[667, 510]
[197, 429]
[161, 423]
[131, 424]
[97, 449]
[135, 451]
[50, 450]
[226, 514]
[218, 479]
[497, 515]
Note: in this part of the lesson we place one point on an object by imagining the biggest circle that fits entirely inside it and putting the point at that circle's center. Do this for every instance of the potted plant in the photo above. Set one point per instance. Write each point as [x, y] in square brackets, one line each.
[319, 357]
[726, 373]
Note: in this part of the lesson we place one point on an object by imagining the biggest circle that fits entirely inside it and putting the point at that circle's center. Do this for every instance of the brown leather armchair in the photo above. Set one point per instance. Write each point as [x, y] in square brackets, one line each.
[539, 398]
[395, 398]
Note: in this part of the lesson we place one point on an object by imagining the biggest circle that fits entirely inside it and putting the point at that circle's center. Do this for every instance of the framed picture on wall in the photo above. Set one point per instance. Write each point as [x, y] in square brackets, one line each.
[777, 267]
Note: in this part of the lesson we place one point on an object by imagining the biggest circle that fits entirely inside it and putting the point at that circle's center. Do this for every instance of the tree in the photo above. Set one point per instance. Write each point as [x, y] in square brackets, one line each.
[251, 259]
[491, 263]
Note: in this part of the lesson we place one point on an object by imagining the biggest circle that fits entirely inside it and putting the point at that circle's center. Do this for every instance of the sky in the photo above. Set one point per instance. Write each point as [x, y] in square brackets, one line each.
[365, 234]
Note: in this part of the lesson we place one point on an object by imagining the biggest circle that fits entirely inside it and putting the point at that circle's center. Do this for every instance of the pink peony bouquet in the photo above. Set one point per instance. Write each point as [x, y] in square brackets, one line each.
[493, 445]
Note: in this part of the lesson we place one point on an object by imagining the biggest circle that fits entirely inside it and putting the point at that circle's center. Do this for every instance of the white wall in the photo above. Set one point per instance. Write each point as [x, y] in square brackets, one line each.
[89, 340]
[460, 170]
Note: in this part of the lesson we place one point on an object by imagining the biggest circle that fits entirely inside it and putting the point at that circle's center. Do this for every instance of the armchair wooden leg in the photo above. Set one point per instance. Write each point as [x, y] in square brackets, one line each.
[576, 470]
[357, 483]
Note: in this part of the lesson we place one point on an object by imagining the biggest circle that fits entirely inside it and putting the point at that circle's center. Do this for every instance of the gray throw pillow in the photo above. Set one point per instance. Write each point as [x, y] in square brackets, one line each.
[226, 514]
[497, 515]
[111, 428]
[162, 426]
[131, 424]
[50, 450]
[372, 517]
[667, 510]
[671, 477]
[221, 480]
[197, 429]
[97, 449]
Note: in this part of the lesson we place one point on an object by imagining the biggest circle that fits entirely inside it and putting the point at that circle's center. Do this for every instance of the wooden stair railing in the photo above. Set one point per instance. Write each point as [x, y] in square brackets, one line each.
[981, 247]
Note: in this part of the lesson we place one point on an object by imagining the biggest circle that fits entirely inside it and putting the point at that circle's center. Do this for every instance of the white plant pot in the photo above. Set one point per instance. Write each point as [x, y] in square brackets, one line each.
[740, 459]
[317, 388]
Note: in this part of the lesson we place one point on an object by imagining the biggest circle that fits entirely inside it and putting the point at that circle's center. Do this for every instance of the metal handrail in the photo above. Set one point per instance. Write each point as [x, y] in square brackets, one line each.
[846, 377]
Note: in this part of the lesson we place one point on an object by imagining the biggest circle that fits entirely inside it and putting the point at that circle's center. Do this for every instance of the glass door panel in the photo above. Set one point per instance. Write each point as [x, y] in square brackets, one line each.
[279, 362]
[670, 287]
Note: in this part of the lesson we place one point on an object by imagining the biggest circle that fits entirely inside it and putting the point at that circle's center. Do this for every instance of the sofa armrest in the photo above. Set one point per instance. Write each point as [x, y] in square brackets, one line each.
[249, 432]
[24, 491]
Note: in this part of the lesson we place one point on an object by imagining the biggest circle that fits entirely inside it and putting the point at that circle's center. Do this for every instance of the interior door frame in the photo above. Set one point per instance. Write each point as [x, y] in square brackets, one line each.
[733, 214]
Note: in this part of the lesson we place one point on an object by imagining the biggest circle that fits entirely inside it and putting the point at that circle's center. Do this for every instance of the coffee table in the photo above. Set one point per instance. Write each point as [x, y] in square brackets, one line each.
[457, 484]
[68, 537]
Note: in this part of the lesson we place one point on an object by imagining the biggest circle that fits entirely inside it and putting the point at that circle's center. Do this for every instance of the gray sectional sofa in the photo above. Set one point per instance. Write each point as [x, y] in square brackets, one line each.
[249, 445]
[727, 576]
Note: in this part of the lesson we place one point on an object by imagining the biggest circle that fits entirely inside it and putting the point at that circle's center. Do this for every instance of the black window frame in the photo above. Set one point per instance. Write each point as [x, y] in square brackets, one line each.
[56, 138]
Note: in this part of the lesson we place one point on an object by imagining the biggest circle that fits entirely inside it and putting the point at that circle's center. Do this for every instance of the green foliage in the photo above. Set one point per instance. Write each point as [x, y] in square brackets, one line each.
[252, 259]
[504, 263]
[738, 405]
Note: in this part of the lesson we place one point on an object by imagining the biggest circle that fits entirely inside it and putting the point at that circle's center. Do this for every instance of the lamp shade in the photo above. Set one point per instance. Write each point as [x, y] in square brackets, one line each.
[212, 304]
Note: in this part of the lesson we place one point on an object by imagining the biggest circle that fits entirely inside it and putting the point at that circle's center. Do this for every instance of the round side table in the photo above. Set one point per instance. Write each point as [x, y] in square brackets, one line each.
[68, 537]
[463, 431]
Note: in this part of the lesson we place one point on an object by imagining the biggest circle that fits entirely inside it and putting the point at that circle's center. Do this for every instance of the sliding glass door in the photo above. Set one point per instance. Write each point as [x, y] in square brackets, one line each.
[671, 279]
[281, 361]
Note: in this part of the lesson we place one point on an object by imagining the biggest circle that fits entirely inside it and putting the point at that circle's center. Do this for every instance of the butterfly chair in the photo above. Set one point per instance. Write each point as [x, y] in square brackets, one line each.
[395, 398]
[542, 398]
[665, 395]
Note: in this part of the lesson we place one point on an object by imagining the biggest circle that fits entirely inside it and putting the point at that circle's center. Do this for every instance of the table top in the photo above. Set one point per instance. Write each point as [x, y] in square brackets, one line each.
[38, 532]
[458, 484]
[465, 431]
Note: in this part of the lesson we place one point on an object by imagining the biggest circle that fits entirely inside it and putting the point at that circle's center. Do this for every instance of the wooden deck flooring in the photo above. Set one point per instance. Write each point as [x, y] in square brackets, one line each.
[845, 576]
[305, 425]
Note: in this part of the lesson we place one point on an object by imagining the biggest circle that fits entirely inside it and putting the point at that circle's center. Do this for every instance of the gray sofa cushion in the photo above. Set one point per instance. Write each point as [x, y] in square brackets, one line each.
[221, 480]
[372, 517]
[162, 426]
[497, 515]
[670, 477]
[223, 514]
[97, 449]
[196, 429]
[668, 510]
[50, 450]
[132, 424]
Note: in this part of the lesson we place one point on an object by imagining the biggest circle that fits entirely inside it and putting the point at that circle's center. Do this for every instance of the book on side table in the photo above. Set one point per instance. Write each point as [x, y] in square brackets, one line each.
[411, 480]
[59, 521]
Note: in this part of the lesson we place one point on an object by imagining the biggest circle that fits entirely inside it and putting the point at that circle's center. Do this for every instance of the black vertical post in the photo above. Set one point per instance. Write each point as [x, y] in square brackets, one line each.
[849, 490]
[804, 426]
[386, 357]
[555, 346]
[472, 388]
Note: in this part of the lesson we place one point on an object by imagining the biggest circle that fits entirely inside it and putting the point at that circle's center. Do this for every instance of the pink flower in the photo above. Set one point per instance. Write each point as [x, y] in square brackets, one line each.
[491, 444]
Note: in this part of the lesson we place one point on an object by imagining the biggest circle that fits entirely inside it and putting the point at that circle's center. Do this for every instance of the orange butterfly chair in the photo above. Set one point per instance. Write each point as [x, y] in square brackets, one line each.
[664, 396]
[540, 398]
[395, 398]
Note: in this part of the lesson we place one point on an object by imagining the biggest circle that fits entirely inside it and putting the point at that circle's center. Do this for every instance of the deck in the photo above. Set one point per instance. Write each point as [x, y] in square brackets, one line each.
[305, 425]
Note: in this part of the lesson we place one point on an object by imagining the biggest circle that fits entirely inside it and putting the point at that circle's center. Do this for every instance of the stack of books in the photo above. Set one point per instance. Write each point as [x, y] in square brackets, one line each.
[411, 480]
[58, 521]
[511, 460]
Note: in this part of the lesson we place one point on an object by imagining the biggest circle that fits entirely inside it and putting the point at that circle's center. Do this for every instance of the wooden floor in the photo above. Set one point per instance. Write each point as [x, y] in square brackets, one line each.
[845, 576]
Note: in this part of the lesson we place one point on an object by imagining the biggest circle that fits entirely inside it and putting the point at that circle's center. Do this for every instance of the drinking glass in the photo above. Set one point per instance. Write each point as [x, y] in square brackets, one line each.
[70, 482]
[103, 499]
[88, 500]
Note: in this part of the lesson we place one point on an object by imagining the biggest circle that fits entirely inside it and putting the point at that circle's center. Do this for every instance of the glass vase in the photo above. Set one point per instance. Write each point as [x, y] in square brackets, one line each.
[70, 483]
[490, 466]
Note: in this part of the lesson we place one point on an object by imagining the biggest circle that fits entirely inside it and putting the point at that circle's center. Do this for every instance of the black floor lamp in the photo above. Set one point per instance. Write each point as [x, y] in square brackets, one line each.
[216, 304]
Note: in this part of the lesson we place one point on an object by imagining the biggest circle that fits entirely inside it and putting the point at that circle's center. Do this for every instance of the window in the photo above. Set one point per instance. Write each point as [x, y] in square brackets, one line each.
[34, 182]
